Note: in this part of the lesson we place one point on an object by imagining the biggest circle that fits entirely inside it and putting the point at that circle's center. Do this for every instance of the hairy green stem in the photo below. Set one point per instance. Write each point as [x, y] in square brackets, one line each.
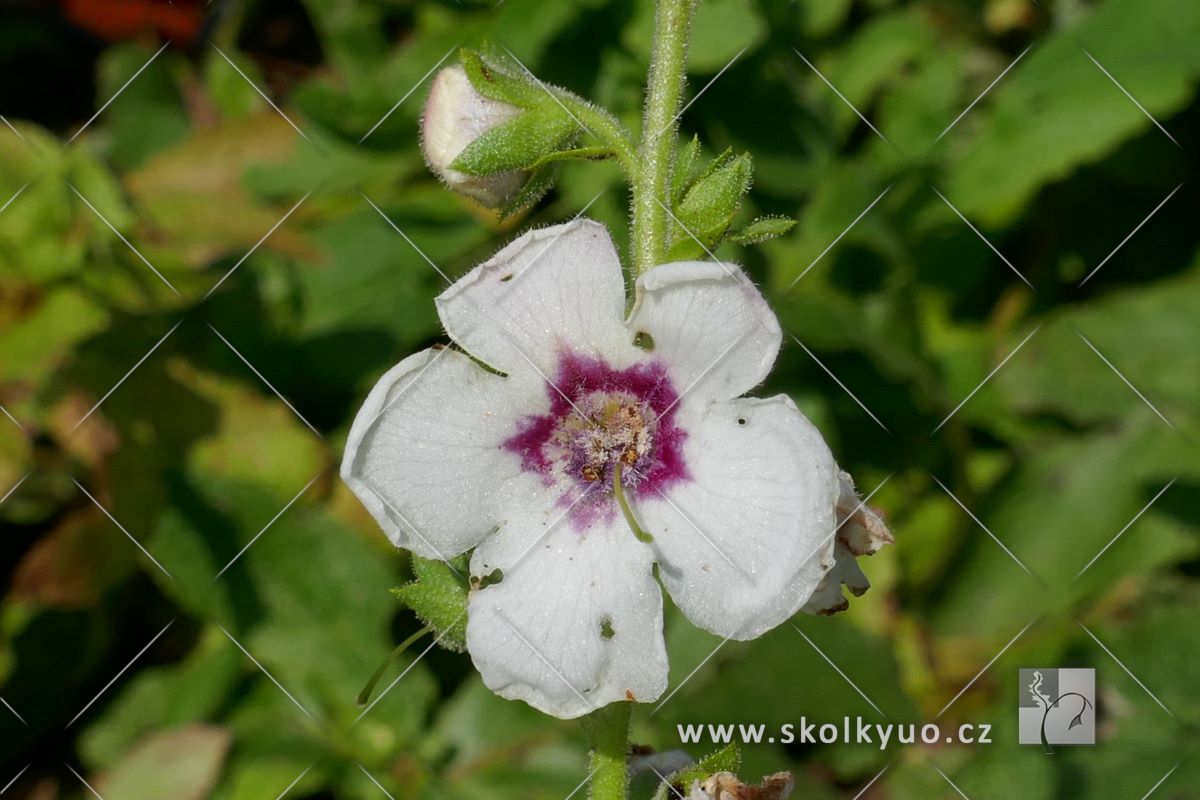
[601, 124]
[656, 155]
[608, 732]
[365, 694]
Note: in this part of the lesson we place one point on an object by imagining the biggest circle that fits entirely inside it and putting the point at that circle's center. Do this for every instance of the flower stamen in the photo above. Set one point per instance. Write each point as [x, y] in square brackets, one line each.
[639, 532]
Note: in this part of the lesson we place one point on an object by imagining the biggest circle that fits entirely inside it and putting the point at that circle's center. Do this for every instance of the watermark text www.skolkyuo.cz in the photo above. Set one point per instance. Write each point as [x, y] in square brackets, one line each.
[851, 730]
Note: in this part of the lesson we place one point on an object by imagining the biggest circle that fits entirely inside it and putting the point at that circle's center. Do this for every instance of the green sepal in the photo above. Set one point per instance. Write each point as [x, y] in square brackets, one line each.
[762, 229]
[727, 759]
[496, 76]
[593, 153]
[709, 206]
[518, 143]
[535, 188]
[685, 165]
[438, 596]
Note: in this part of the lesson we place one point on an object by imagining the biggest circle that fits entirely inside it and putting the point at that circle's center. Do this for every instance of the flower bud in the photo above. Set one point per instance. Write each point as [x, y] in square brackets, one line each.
[456, 115]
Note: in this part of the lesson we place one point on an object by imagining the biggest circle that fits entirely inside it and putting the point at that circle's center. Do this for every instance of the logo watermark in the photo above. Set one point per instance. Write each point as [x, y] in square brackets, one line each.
[1057, 707]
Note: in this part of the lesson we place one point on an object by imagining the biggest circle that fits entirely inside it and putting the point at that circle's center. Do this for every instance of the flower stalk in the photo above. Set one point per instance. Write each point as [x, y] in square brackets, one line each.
[664, 91]
[608, 732]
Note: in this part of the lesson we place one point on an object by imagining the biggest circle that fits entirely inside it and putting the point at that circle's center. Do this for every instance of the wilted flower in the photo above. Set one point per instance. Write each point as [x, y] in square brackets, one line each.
[590, 448]
[861, 531]
[456, 115]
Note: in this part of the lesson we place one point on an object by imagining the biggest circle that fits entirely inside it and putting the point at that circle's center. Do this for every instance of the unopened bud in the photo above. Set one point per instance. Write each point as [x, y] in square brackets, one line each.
[456, 115]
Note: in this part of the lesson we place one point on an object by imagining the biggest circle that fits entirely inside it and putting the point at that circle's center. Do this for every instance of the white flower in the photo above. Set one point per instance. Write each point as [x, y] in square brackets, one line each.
[456, 115]
[861, 531]
[522, 462]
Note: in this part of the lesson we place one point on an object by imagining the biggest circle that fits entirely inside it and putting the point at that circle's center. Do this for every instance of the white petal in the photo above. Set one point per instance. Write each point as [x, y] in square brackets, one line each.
[710, 324]
[424, 452]
[553, 288]
[539, 635]
[743, 544]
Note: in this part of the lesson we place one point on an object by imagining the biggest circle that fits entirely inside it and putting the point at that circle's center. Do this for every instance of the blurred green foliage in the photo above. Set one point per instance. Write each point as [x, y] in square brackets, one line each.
[299, 252]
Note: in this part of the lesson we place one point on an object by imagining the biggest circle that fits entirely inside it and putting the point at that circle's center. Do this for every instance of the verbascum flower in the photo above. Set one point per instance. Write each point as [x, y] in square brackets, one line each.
[456, 115]
[586, 455]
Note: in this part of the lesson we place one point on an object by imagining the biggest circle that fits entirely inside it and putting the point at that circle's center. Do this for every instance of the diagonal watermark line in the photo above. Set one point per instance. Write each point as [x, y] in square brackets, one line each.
[265, 672]
[987, 378]
[720, 357]
[298, 778]
[1143, 398]
[547, 90]
[839, 383]
[1121, 664]
[117, 94]
[832, 244]
[582, 495]
[262, 94]
[407, 669]
[262, 378]
[14, 487]
[986, 667]
[839, 671]
[986, 529]
[84, 782]
[411, 243]
[418, 534]
[1133, 99]
[125, 377]
[1161, 780]
[14, 713]
[582, 784]
[1108, 257]
[509, 285]
[693, 237]
[437, 357]
[953, 785]
[666, 782]
[1128, 525]
[700, 93]
[840, 95]
[543, 659]
[871, 782]
[407, 94]
[371, 778]
[275, 518]
[118, 675]
[689, 676]
[982, 94]
[122, 529]
[15, 195]
[984, 239]
[10, 126]
[121, 236]
[257, 244]
[13, 419]
[15, 778]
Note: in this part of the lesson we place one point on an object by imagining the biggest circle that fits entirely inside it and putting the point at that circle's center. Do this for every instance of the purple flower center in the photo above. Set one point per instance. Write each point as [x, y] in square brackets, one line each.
[603, 419]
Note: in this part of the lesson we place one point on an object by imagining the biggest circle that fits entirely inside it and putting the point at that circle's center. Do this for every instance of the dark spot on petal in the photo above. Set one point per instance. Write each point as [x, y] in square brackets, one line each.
[506, 278]
[606, 628]
[643, 340]
[741, 420]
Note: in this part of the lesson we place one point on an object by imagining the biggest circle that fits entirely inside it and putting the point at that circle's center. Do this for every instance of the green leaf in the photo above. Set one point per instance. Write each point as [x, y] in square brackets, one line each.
[727, 759]
[709, 206]
[495, 76]
[518, 143]
[183, 763]
[685, 165]
[438, 597]
[595, 153]
[762, 229]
